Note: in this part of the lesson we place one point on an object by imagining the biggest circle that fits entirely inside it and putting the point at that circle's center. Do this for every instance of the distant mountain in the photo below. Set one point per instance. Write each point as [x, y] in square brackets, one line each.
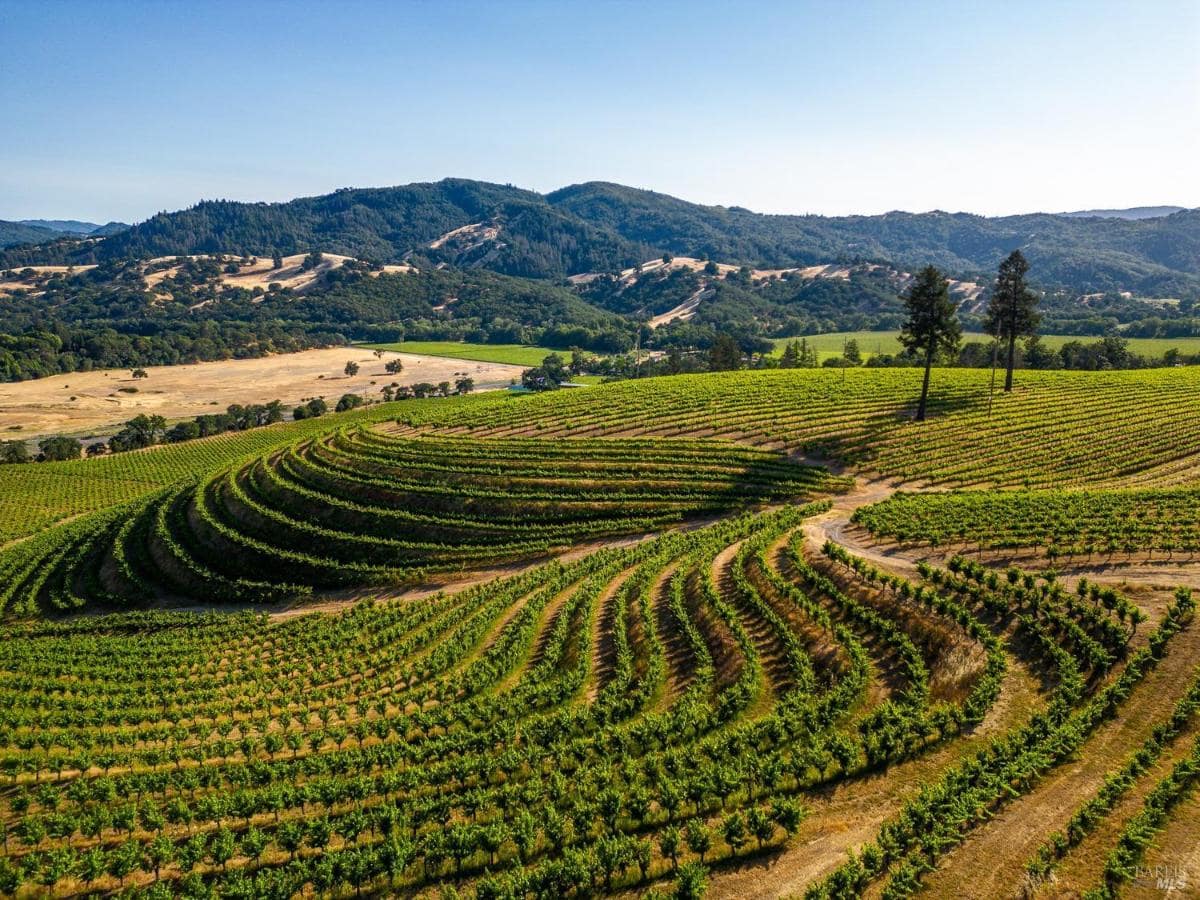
[67, 226]
[74, 226]
[1134, 212]
[39, 231]
[12, 233]
[109, 228]
[602, 227]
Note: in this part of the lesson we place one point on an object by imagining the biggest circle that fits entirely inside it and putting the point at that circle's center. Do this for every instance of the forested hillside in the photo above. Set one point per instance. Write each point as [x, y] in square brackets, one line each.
[20, 233]
[600, 227]
[127, 314]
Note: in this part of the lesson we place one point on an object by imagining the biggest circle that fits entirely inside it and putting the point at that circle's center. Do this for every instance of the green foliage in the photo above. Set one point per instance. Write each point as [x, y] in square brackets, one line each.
[356, 508]
[58, 449]
[549, 376]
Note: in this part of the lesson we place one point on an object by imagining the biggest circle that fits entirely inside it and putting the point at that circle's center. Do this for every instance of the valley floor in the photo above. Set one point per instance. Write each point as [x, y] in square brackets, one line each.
[86, 402]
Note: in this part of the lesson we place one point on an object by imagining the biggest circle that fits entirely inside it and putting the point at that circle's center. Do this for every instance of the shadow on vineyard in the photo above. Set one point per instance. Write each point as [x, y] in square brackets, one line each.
[355, 508]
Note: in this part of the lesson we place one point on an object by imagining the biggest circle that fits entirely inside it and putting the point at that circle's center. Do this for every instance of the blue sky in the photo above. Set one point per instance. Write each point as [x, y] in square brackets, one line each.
[118, 110]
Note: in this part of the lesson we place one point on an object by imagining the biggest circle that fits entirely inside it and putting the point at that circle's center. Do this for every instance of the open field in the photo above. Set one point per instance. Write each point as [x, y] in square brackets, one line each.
[508, 354]
[669, 647]
[871, 343]
[84, 402]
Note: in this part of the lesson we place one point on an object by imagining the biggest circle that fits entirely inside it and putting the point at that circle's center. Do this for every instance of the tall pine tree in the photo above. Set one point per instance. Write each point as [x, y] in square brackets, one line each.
[1012, 309]
[932, 325]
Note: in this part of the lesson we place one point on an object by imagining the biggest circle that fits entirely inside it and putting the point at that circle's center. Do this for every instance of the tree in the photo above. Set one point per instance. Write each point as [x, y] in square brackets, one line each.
[351, 368]
[140, 431]
[791, 356]
[348, 401]
[1038, 355]
[140, 373]
[1012, 309]
[393, 367]
[579, 361]
[932, 325]
[276, 260]
[464, 385]
[725, 355]
[313, 409]
[183, 431]
[13, 452]
[546, 377]
[60, 448]
[851, 353]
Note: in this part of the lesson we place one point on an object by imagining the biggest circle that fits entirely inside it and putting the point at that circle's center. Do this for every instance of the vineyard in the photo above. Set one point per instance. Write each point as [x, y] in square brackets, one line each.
[1059, 428]
[627, 640]
[1062, 524]
[355, 508]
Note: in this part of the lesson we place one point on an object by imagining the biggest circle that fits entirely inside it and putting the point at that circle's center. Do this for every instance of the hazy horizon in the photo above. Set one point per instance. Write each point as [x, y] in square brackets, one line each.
[107, 220]
[123, 109]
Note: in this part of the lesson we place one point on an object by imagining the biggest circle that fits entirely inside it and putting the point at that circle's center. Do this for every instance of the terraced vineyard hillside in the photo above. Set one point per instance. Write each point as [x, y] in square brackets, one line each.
[355, 508]
[618, 641]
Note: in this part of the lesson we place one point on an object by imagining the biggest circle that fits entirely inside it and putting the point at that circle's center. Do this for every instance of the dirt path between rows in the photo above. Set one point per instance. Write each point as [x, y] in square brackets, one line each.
[846, 816]
[991, 860]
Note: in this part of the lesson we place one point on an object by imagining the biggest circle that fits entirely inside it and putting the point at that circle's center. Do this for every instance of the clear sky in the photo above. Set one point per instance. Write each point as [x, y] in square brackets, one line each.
[115, 110]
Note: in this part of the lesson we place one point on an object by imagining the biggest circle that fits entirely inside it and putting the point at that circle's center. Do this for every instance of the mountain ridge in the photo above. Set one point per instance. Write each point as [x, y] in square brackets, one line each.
[605, 227]
[1131, 212]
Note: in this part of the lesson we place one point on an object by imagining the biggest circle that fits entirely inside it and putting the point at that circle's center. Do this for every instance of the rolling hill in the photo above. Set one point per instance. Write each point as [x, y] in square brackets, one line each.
[602, 227]
[37, 231]
[1134, 212]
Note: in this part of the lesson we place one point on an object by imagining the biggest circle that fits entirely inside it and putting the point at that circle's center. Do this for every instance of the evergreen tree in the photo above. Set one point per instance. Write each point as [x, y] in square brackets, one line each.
[932, 326]
[725, 354]
[1012, 309]
[808, 355]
